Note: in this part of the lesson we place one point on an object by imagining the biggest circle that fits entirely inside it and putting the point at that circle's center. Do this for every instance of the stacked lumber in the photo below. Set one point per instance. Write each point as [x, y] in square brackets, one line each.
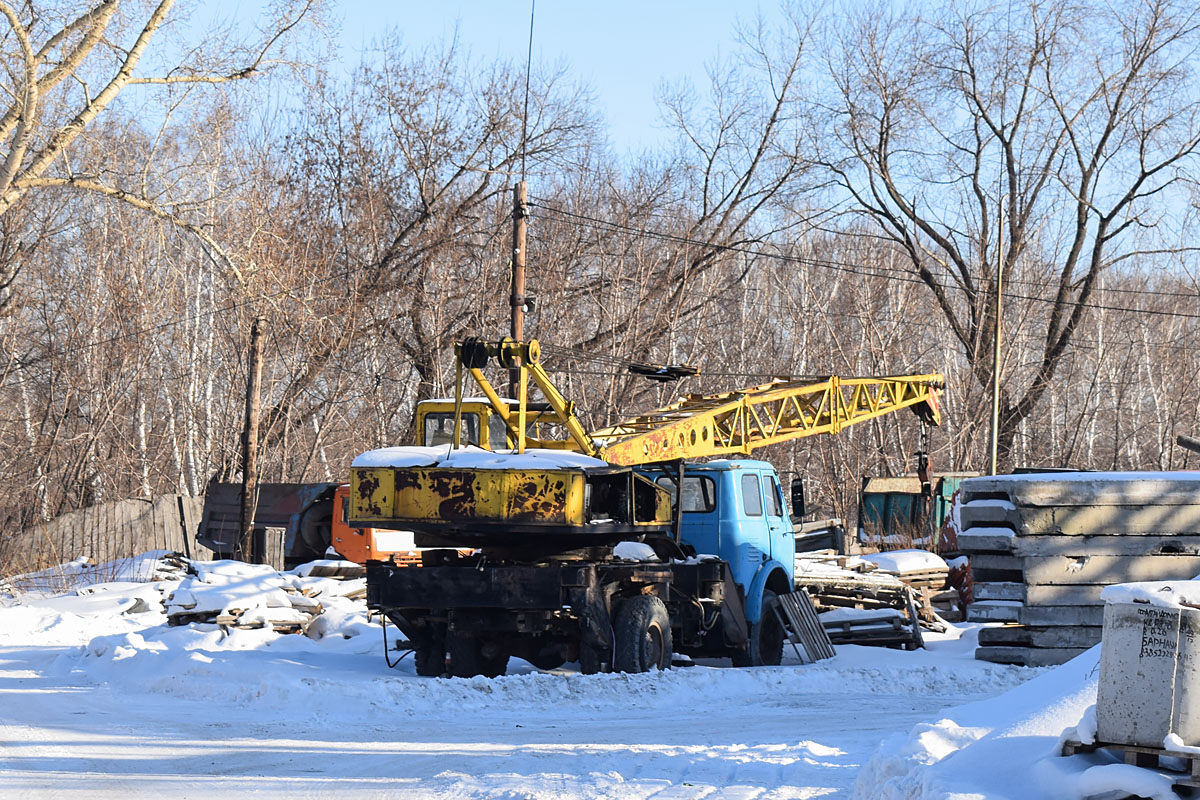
[249, 596]
[1043, 546]
[858, 603]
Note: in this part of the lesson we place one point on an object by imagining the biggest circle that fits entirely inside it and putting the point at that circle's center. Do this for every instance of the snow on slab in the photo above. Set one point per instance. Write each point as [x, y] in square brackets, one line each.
[1165, 594]
[471, 457]
[1085, 477]
[900, 562]
[324, 567]
[1003, 505]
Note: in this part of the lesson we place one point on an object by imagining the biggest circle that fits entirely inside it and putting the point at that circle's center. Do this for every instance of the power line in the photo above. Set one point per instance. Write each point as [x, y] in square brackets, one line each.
[875, 272]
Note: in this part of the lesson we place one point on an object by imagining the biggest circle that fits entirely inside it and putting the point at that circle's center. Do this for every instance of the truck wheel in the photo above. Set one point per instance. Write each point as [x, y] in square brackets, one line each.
[430, 660]
[590, 659]
[643, 632]
[765, 648]
[467, 658]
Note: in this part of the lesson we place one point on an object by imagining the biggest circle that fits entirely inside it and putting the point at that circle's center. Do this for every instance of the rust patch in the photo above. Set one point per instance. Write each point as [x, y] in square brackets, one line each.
[539, 500]
[407, 479]
[368, 504]
[457, 492]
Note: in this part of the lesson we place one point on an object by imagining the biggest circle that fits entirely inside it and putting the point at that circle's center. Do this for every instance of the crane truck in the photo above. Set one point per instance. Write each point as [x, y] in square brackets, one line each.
[613, 548]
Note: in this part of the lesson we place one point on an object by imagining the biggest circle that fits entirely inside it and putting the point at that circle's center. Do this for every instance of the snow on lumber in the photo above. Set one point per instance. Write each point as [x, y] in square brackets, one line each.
[471, 457]
[635, 551]
[901, 562]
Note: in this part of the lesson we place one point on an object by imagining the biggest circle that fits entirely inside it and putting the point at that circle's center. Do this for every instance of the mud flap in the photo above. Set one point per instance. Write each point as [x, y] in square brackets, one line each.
[733, 614]
[595, 625]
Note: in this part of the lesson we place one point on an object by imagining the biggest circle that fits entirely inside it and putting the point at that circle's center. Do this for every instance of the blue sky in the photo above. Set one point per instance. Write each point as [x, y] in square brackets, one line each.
[622, 49]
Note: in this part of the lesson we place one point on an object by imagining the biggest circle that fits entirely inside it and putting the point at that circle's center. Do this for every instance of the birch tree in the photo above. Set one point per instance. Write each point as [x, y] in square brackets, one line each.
[1046, 140]
[64, 64]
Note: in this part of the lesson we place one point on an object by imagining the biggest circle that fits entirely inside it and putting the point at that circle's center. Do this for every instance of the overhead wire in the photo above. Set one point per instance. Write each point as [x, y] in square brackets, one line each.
[878, 271]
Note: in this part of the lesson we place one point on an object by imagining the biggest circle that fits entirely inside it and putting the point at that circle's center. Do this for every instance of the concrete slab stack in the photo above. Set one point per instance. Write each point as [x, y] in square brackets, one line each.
[1043, 546]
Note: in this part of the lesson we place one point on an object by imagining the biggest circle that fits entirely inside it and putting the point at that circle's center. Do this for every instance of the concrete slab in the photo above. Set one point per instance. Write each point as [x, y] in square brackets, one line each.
[1041, 636]
[1085, 518]
[986, 540]
[996, 561]
[1103, 545]
[994, 611]
[1028, 656]
[1087, 489]
[1105, 569]
[999, 590]
[1050, 616]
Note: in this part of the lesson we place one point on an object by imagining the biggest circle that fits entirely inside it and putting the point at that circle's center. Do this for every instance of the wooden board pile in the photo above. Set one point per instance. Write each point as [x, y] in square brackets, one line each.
[859, 603]
[1042, 547]
[235, 595]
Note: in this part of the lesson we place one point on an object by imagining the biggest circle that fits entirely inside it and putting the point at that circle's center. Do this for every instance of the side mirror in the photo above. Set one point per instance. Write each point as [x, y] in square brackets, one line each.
[798, 509]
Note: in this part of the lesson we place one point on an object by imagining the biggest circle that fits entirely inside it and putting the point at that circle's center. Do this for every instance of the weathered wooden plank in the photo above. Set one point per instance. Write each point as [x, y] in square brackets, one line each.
[1041, 636]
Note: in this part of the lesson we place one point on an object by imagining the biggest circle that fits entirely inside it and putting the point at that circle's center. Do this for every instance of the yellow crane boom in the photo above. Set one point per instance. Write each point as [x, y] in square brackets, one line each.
[698, 426]
[739, 422]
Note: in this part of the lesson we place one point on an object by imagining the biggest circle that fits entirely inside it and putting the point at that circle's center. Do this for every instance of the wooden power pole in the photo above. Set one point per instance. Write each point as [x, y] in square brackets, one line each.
[249, 544]
[517, 294]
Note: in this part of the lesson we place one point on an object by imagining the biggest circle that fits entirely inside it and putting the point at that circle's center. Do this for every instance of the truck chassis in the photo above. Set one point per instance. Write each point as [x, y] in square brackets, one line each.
[608, 615]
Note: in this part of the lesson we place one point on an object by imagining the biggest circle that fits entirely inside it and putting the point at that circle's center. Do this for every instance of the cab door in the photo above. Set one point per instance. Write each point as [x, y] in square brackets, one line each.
[753, 530]
[783, 539]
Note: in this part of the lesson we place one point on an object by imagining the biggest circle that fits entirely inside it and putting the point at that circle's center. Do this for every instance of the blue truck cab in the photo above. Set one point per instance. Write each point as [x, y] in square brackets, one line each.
[735, 509]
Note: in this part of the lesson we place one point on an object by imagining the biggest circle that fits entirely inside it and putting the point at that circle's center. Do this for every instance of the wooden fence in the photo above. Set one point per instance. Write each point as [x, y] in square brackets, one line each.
[106, 533]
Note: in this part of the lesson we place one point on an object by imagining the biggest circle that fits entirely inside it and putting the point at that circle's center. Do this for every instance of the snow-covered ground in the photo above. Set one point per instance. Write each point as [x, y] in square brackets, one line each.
[99, 698]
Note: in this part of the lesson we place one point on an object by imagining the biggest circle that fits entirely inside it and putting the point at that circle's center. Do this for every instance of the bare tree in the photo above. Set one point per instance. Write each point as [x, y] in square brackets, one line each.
[66, 63]
[1048, 139]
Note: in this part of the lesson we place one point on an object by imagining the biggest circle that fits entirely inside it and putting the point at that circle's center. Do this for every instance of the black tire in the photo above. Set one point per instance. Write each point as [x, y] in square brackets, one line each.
[430, 659]
[765, 647]
[591, 660]
[643, 632]
[467, 658]
[429, 662]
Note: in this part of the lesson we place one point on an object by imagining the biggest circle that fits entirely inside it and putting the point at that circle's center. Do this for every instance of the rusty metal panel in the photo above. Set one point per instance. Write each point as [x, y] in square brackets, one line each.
[372, 493]
[433, 494]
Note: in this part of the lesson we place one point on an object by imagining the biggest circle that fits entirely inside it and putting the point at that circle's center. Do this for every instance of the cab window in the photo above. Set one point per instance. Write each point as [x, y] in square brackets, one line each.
[776, 497]
[439, 428]
[751, 496]
[497, 433]
[699, 493]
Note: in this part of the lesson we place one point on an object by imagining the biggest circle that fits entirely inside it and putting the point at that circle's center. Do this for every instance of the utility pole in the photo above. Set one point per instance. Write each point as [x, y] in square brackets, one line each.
[517, 294]
[249, 544]
[995, 435]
